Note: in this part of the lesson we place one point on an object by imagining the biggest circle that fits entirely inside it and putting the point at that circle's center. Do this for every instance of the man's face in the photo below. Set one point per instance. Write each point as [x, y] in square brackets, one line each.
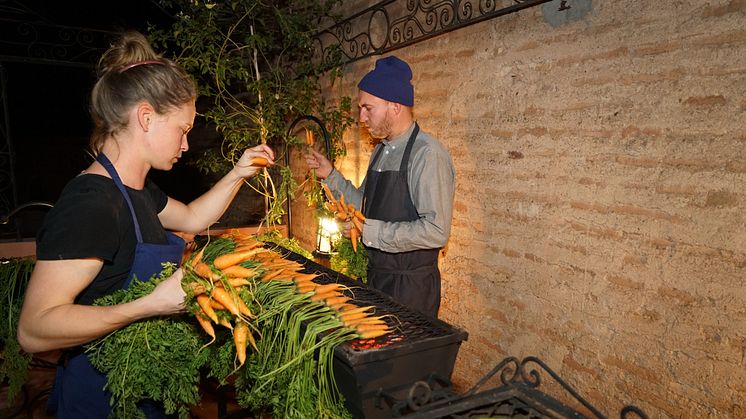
[374, 114]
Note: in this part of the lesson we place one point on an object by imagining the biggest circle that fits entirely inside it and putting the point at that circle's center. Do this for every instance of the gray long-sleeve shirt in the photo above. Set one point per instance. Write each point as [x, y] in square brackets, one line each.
[431, 180]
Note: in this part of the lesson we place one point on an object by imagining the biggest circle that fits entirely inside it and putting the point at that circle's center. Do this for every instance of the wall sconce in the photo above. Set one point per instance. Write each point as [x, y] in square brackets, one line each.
[327, 233]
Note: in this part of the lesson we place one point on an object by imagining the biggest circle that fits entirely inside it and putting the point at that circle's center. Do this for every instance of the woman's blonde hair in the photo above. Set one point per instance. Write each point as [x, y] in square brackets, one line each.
[128, 73]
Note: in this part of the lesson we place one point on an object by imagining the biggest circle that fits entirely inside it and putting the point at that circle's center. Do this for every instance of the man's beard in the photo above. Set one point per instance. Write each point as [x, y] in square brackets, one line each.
[382, 133]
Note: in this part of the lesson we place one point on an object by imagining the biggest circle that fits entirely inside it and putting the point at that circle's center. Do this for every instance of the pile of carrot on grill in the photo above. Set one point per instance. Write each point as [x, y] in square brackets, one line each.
[223, 278]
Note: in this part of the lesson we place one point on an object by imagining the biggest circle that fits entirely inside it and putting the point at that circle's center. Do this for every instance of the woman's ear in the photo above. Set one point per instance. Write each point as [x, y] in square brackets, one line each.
[145, 114]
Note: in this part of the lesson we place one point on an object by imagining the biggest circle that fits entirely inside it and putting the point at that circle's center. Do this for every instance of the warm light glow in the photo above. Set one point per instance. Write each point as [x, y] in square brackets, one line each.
[327, 234]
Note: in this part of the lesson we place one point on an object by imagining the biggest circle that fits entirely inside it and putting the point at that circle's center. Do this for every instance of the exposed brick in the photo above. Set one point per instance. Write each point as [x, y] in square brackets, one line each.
[624, 282]
[708, 101]
[682, 296]
[732, 6]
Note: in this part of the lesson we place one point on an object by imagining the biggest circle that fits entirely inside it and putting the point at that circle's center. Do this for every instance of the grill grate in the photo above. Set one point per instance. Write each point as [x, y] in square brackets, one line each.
[408, 326]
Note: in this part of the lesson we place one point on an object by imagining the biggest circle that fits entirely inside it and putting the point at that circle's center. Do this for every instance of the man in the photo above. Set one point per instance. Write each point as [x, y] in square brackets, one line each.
[407, 193]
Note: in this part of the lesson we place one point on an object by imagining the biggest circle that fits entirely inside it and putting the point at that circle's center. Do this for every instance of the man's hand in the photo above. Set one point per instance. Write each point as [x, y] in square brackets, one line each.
[318, 162]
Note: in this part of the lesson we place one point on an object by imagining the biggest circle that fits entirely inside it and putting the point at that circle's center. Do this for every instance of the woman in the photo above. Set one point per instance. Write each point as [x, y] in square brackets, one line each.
[110, 223]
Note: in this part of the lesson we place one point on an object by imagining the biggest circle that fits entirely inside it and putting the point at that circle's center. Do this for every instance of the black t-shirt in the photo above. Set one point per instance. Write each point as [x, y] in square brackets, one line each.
[92, 220]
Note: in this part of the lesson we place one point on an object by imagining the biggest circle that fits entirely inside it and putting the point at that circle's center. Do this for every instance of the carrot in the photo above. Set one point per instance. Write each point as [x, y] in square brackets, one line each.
[304, 278]
[358, 225]
[328, 193]
[237, 282]
[238, 271]
[216, 305]
[204, 303]
[204, 271]
[304, 288]
[353, 238]
[309, 137]
[225, 323]
[373, 333]
[196, 288]
[206, 325]
[362, 328]
[198, 256]
[354, 313]
[252, 342]
[244, 309]
[336, 300]
[223, 297]
[351, 316]
[234, 258]
[272, 274]
[259, 161]
[320, 289]
[240, 334]
[359, 215]
[325, 295]
[330, 206]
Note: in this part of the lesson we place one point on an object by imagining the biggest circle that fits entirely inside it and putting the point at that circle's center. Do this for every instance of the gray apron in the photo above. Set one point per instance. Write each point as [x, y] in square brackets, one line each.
[411, 278]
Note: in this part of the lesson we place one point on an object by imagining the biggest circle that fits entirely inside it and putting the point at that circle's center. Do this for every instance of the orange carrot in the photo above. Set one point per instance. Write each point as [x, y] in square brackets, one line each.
[373, 333]
[198, 257]
[238, 271]
[353, 238]
[371, 327]
[204, 271]
[216, 305]
[204, 303]
[223, 297]
[240, 333]
[244, 309]
[225, 323]
[328, 193]
[320, 289]
[309, 137]
[259, 162]
[359, 215]
[331, 301]
[237, 282]
[358, 225]
[196, 288]
[234, 258]
[251, 340]
[206, 325]
[325, 295]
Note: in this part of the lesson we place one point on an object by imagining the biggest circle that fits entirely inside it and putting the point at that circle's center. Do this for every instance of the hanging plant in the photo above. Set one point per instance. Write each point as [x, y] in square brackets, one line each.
[14, 362]
[253, 62]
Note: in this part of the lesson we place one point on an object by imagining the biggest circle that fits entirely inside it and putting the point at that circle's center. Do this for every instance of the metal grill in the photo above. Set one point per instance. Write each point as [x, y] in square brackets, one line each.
[372, 374]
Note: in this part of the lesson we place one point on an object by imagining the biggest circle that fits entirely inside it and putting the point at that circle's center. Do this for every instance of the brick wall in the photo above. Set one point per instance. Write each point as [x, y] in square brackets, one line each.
[599, 218]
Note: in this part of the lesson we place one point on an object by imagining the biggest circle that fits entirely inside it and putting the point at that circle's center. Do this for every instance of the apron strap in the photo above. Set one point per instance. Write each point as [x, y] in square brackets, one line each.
[101, 158]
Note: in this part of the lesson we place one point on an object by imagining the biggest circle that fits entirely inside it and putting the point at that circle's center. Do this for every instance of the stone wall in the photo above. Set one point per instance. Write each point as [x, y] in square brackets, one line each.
[599, 220]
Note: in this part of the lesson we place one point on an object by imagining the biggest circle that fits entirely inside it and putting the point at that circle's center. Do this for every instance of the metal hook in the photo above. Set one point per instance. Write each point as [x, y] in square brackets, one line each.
[327, 142]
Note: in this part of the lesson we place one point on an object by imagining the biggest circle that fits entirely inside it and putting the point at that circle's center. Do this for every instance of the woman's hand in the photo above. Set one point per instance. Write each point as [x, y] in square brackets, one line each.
[168, 296]
[321, 164]
[247, 166]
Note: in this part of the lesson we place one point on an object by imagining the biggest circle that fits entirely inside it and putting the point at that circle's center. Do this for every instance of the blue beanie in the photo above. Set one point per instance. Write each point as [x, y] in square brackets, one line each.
[390, 80]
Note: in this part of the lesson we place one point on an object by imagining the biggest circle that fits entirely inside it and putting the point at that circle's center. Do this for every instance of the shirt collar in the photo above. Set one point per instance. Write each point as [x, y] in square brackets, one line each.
[401, 138]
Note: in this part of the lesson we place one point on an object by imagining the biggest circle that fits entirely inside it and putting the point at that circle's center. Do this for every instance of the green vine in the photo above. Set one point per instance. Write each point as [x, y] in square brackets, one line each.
[255, 69]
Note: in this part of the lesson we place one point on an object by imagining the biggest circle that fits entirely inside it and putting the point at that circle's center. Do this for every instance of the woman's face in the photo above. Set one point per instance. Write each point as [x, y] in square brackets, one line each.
[169, 134]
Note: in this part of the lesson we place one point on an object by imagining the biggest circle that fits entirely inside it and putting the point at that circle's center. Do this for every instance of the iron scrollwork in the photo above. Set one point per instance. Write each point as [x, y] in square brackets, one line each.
[517, 392]
[389, 25]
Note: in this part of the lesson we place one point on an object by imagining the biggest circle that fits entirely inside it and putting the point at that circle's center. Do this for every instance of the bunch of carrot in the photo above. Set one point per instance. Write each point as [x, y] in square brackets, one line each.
[217, 287]
[350, 315]
[346, 212]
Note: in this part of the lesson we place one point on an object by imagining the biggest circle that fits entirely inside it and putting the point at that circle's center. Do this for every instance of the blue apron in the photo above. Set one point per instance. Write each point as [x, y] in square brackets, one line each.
[78, 392]
[411, 278]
